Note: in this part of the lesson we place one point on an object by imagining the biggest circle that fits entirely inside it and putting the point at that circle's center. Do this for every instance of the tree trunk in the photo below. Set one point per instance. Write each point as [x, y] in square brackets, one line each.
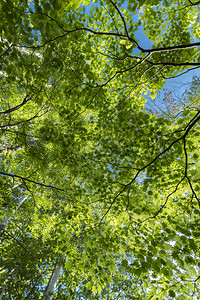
[48, 294]
[6, 220]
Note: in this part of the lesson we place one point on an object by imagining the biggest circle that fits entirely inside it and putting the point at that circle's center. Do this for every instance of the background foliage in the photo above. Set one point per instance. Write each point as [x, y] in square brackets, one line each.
[99, 194]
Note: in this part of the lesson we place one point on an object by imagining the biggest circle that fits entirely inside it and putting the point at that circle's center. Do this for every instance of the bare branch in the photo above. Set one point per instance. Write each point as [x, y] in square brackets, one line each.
[173, 48]
[125, 27]
[14, 176]
[174, 64]
[186, 167]
[181, 73]
[26, 99]
[188, 128]
[196, 3]
[25, 121]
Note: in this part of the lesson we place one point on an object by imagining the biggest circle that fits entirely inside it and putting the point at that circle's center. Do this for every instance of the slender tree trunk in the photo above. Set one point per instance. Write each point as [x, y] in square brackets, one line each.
[6, 220]
[48, 294]
[2, 292]
[4, 223]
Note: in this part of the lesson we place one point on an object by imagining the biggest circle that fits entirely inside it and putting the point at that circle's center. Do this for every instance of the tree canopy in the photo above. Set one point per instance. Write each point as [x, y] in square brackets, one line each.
[99, 195]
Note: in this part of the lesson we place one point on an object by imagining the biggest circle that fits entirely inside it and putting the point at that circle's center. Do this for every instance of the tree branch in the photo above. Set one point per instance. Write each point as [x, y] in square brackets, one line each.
[196, 3]
[123, 20]
[32, 181]
[26, 99]
[22, 122]
[187, 130]
[174, 64]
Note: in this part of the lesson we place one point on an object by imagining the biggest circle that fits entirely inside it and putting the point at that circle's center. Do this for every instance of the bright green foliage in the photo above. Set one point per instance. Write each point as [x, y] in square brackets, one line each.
[90, 179]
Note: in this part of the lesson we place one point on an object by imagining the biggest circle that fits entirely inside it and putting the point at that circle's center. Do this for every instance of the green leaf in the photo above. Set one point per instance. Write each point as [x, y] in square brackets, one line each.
[94, 289]
[172, 293]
